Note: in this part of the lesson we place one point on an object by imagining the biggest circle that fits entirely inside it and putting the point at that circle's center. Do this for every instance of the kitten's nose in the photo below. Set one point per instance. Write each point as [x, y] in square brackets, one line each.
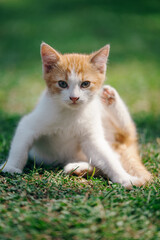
[74, 99]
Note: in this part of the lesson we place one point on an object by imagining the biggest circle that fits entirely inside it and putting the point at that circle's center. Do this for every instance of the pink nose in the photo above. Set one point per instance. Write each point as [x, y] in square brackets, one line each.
[74, 99]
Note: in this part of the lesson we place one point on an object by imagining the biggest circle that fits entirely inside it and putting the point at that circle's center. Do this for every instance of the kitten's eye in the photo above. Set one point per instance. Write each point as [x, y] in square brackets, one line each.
[62, 84]
[85, 84]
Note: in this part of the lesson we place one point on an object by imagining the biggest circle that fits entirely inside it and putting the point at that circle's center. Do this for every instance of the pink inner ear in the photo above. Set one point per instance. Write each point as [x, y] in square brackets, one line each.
[99, 58]
[49, 57]
[48, 63]
[48, 67]
[101, 63]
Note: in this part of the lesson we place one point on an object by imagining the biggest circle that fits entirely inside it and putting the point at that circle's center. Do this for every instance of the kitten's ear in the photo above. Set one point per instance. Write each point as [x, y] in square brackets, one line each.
[49, 57]
[99, 58]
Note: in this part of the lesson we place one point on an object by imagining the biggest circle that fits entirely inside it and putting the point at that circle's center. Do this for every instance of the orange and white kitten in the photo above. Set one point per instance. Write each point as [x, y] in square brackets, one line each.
[78, 123]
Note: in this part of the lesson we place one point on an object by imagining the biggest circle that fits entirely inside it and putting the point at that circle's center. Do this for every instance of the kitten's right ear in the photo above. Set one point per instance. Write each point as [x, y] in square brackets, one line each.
[49, 57]
[99, 58]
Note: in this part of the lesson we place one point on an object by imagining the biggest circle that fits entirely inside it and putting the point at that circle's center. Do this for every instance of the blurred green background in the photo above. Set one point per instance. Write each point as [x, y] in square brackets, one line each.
[131, 27]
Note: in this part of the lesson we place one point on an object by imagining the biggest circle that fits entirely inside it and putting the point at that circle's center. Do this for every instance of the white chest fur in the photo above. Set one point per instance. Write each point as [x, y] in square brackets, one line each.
[64, 130]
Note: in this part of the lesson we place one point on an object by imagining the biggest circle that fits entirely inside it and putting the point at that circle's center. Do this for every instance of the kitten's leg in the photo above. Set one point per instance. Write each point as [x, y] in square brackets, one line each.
[131, 161]
[125, 134]
[104, 158]
[27, 131]
[118, 110]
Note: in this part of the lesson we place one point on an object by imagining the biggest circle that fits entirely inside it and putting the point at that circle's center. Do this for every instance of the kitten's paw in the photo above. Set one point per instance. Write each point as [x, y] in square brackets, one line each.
[108, 95]
[9, 169]
[79, 168]
[129, 181]
[133, 181]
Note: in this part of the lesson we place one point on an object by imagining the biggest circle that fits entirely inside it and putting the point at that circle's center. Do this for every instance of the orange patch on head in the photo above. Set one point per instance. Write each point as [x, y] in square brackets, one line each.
[83, 68]
[87, 67]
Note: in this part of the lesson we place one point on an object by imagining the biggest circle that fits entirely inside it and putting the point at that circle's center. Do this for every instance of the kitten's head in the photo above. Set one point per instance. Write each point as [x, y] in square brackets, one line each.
[74, 78]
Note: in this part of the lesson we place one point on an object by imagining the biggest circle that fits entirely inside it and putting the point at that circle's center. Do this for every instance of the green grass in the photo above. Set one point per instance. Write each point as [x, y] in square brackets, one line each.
[47, 204]
[44, 203]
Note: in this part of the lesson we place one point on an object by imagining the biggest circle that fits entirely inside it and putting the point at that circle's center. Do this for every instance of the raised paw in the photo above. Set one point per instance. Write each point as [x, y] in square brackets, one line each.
[108, 95]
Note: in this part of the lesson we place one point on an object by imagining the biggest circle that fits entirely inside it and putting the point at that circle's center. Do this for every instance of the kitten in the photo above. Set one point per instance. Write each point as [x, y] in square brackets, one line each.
[78, 123]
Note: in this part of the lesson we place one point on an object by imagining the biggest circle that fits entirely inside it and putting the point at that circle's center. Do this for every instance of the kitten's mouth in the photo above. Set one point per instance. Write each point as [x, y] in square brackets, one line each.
[73, 104]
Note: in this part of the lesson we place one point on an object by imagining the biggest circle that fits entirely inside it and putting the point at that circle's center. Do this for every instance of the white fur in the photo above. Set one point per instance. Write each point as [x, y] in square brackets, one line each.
[74, 90]
[78, 167]
[57, 134]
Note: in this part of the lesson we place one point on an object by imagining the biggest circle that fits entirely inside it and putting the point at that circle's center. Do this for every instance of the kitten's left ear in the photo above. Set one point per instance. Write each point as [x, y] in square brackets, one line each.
[50, 57]
[99, 58]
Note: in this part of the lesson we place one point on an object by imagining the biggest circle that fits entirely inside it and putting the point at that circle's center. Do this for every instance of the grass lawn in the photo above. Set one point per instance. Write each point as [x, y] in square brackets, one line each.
[44, 203]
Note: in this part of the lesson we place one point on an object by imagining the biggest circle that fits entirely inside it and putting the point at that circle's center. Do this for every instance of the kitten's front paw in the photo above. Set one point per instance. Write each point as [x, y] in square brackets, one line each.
[133, 181]
[9, 169]
[108, 95]
[129, 181]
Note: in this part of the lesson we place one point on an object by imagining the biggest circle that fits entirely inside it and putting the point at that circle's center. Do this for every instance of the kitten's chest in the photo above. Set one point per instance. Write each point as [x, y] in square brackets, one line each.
[67, 123]
[66, 136]
[69, 126]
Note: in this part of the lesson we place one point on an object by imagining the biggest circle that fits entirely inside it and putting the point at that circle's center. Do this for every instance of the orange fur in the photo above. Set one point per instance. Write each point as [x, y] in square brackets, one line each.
[59, 66]
[127, 146]
[81, 65]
